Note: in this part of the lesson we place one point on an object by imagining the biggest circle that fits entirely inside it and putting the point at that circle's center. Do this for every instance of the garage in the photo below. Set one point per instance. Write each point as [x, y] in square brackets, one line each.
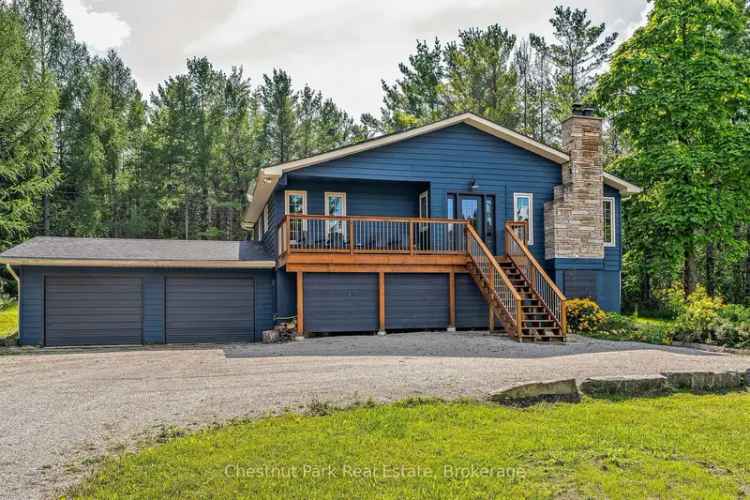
[215, 309]
[100, 291]
[93, 310]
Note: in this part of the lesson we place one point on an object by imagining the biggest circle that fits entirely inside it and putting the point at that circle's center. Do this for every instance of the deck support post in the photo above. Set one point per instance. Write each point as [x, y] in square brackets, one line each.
[452, 301]
[381, 303]
[491, 321]
[300, 304]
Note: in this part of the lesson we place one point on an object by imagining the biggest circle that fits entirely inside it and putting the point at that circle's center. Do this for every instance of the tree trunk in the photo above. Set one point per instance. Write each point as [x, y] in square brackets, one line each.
[710, 270]
[688, 269]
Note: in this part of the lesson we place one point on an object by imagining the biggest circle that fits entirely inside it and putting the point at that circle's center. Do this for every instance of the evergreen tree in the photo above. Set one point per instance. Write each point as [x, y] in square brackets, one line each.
[480, 76]
[50, 34]
[578, 53]
[26, 109]
[418, 96]
[279, 102]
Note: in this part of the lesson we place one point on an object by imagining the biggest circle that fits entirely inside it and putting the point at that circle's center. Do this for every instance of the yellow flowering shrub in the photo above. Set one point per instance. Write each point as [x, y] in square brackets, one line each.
[584, 316]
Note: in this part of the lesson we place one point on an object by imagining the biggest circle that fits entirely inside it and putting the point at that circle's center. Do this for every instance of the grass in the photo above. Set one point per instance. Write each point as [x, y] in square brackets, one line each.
[8, 320]
[682, 446]
[660, 322]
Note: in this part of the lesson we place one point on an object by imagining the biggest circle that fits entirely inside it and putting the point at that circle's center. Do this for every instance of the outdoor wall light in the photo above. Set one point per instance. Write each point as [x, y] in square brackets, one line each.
[474, 184]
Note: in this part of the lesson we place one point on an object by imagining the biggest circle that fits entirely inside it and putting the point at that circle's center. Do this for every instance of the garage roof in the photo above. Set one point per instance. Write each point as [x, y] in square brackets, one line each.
[115, 252]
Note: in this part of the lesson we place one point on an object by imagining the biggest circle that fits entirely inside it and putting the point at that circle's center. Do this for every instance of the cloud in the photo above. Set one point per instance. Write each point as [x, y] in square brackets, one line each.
[99, 30]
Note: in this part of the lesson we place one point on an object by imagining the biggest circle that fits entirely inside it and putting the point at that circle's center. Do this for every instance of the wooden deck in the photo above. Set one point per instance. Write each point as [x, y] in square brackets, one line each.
[520, 294]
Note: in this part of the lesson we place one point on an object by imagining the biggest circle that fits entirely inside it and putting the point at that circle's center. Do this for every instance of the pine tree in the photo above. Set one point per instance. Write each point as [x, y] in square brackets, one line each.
[480, 76]
[578, 53]
[279, 101]
[26, 109]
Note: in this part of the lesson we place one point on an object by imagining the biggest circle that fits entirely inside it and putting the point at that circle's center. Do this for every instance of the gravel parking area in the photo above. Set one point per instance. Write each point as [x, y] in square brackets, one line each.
[61, 408]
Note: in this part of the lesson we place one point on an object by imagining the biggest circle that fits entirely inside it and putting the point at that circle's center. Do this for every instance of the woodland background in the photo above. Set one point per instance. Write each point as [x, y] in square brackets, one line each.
[84, 153]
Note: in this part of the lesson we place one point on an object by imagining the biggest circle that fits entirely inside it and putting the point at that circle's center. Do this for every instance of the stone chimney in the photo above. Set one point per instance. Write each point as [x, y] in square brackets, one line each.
[573, 220]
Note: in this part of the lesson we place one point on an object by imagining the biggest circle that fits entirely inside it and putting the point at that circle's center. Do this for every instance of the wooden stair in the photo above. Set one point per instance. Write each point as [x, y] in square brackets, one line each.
[517, 289]
[538, 325]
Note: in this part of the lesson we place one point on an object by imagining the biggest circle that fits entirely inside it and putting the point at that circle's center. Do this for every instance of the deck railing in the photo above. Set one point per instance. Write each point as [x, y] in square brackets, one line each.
[403, 235]
[498, 281]
[552, 299]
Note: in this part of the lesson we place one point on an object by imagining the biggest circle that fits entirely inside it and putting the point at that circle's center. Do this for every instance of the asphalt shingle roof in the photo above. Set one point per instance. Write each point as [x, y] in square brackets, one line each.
[47, 247]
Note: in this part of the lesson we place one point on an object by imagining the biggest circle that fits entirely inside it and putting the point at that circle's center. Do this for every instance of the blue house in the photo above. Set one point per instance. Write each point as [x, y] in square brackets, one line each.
[458, 224]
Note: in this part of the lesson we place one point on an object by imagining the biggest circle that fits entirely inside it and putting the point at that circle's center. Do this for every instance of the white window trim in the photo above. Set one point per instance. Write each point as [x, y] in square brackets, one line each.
[266, 219]
[530, 196]
[426, 196]
[613, 221]
[329, 194]
[259, 228]
[300, 193]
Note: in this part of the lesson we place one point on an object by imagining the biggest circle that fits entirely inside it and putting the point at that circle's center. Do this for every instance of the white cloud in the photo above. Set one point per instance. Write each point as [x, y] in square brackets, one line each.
[99, 30]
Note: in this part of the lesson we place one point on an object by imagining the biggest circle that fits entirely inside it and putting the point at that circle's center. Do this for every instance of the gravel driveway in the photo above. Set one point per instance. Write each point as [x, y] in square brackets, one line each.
[60, 409]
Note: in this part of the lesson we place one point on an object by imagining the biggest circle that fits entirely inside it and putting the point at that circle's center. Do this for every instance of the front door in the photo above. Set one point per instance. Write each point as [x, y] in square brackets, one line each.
[480, 210]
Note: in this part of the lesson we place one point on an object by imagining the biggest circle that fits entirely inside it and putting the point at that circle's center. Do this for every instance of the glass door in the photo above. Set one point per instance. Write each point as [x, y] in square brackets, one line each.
[480, 210]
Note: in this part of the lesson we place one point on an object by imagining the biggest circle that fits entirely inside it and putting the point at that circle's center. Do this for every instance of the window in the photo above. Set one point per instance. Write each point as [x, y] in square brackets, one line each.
[523, 210]
[424, 205]
[609, 222]
[451, 206]
[335, 204]
[295, 202]
[266, 219]
[489, 218]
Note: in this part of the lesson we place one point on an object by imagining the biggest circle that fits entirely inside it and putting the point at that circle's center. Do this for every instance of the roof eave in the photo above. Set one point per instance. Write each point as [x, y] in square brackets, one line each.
[625, 187]
[123, 263]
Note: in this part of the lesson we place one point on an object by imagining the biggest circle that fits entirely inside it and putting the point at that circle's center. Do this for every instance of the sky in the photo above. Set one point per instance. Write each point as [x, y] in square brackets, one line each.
[341, 47]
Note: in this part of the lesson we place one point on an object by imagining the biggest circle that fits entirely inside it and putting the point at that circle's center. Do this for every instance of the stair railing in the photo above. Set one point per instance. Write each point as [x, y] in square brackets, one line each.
[510, 300]
[551, 298]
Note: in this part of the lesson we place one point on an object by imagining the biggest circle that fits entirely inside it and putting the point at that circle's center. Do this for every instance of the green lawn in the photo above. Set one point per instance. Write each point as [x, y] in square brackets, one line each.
[8, 320]
[681, 446]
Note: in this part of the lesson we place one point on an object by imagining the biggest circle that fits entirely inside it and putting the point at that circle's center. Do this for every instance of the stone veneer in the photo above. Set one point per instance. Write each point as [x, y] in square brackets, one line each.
[573, 220]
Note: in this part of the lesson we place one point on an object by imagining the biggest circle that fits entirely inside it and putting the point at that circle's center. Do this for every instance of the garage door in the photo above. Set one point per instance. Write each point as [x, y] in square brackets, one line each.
[341, 302]
[93, 310]
[210, 310]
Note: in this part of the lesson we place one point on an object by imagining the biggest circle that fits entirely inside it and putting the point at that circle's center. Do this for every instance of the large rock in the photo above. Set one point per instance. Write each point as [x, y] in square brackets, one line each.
[537, 392]
[707, 381]
[646, 385]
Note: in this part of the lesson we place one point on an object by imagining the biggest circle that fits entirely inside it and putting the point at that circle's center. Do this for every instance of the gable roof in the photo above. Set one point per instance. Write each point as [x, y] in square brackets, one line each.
[260, 191]
[116, 252]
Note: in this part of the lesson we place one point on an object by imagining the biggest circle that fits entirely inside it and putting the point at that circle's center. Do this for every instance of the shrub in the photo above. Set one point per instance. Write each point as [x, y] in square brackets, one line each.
[584, 316]
[732, 327]
[671, 300]
[697, 320]
[618, 327]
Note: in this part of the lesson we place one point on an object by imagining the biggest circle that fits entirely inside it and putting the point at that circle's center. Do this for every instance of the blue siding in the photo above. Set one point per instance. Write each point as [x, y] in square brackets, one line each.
[341, 302]
[416, 301]
[32, 298]
[447, 160]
